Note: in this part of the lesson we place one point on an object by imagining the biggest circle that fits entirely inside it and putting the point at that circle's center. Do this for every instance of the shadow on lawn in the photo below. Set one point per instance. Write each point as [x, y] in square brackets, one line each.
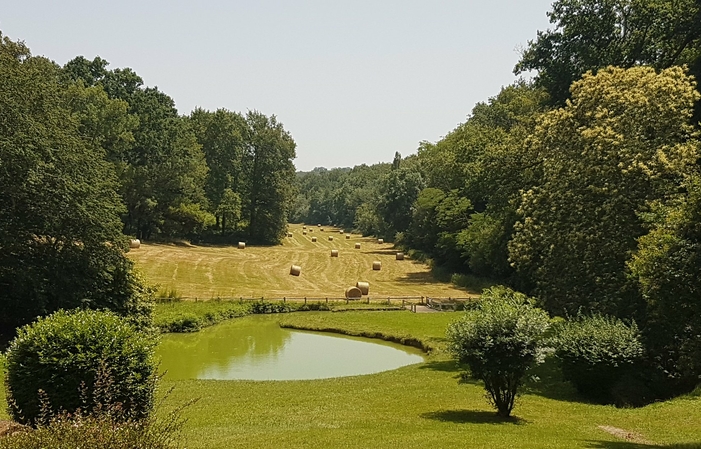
[444, 366]
[471, 416]
[550, 384]
[631, 445]
[383, 252]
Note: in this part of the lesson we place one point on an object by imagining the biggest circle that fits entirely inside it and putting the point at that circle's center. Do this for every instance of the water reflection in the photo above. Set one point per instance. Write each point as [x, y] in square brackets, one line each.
[257, 348]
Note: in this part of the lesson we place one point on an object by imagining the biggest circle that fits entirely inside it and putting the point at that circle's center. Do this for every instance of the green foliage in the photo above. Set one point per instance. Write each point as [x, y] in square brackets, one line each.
[592, 34]
[101, 424]
[482, 165]
[223, 136]
[597, 353]
[343, 196]
[500, 341]
[398, 191]
[60, 233]
[186, 220]
[191, 316]
[667, 265]
[62, 356]
[623, 141]
[271, 188]
[97, 432]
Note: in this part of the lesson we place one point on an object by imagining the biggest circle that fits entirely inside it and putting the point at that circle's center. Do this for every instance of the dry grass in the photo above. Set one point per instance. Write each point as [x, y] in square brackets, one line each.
[224, 271]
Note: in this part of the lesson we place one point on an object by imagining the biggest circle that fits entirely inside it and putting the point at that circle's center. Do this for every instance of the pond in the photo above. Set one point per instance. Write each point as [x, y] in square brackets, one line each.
[256, 348]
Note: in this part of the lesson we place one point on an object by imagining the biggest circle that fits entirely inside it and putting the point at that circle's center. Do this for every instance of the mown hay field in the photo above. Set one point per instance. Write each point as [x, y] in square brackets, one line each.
[207, 272]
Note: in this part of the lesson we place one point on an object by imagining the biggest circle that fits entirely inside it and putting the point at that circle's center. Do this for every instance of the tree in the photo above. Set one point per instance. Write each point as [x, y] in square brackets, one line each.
[398, 191]
[592, 34]
[667, 265]
[61, 244]
[620, 143]
[500, 342]
[160, 165]
[222, 135]
[486, 162]
[271, 175]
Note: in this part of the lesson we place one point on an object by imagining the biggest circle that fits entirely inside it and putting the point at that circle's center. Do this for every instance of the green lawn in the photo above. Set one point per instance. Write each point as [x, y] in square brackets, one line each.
[419, 406]
[3, 404]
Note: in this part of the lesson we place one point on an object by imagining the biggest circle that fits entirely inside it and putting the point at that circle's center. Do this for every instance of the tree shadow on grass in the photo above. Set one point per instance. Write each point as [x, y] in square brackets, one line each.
[471, 416]
[550, 384]
[444, 366]
[632, 445]
[383, 252]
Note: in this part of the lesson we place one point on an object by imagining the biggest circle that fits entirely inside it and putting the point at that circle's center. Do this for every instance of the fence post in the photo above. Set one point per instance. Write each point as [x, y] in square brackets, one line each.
[327, 300]
[305, 300]
[388, 301]
[284, 299]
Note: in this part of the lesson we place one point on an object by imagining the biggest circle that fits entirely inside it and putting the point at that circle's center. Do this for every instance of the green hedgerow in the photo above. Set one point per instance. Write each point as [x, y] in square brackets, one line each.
[60, 356]
[596, 353]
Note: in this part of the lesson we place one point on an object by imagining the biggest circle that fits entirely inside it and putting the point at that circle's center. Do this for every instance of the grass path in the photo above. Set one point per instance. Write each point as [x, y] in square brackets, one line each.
[207, 272]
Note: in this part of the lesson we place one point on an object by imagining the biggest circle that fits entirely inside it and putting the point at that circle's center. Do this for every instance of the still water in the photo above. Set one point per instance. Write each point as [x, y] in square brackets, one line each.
[256, 348]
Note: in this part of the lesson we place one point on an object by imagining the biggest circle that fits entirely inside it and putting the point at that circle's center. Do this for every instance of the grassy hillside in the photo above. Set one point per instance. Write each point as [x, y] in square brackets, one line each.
[223, 271]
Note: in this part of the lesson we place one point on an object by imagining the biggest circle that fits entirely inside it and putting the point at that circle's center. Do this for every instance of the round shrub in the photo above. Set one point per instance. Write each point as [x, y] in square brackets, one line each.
[80, 359]
[499, 342]
[596, 353]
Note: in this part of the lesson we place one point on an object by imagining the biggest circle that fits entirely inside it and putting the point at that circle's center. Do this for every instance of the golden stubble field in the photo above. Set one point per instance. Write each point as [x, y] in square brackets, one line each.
[207, 272]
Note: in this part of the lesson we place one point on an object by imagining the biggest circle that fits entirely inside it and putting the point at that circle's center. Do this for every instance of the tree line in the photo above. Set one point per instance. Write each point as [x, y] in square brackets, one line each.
[90, 156]
[580, 187]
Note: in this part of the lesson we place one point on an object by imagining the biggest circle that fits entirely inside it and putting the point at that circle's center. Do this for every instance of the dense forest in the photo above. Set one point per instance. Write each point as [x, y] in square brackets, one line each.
[580, 186]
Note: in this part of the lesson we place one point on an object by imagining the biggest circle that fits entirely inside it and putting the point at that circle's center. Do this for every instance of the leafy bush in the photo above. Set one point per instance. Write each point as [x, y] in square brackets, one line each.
[191, 316]
[500, 341]
[264, 307]
[61, 356]
[98, 425]
[596, 353]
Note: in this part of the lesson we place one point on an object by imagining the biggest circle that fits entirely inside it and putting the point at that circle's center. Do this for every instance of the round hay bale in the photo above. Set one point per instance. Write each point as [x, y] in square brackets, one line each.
[304, 227]
[319, 225]
[400, 256]
[242, 245]
[304, 232]
[134, 243]
[321, 229]
[357, 246]
[380, 241]
[334, 253]
[377, 265]
[295, 270]
[311, 229]
[341, 231]
[353, 293]
[313, 239]
[289, 234]
[364, 287]
[347, 236]
[330, 238]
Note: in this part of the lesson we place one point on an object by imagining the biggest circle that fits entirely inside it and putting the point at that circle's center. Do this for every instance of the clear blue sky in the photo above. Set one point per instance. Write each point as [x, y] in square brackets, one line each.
[352, 81]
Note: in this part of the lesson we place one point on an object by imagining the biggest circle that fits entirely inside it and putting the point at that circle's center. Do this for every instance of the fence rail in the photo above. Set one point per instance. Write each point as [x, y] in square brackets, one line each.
[434, 302]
